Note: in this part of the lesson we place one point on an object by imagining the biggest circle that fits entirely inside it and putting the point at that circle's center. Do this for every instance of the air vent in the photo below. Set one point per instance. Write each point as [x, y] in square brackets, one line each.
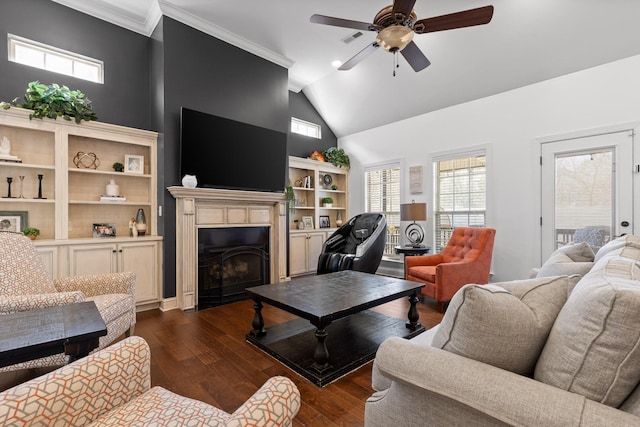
[351, 37]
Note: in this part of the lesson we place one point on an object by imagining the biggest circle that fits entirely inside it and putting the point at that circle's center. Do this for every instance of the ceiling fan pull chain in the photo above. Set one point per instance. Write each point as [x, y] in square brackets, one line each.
[395, 62]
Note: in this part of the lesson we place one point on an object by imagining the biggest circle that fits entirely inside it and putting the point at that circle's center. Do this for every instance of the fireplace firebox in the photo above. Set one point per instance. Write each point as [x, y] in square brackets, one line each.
[229, 261]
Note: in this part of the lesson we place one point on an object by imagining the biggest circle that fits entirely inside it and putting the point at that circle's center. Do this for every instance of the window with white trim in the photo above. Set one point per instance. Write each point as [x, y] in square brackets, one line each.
[382, 194]
[39, 55]
[305, 128]
[460, 194]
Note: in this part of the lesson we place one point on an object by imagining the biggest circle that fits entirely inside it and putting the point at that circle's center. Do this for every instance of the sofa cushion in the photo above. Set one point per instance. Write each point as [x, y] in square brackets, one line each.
[568, 260]
[503, 324]
[614, 247]
[593, 348]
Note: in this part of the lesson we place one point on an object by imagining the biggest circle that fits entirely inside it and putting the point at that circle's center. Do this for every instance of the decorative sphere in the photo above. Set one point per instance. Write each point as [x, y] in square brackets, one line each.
[189, 181]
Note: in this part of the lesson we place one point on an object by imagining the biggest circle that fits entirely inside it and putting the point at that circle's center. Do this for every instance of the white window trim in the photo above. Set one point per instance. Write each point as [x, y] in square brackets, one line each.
[307, 124]
[13, 41]
[484, 149]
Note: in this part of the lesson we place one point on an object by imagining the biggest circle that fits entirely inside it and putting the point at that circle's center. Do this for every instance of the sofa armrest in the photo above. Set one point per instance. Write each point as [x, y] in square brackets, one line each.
[99, 284]
[454, 390]
[276, 403]
[82, 391]
[418, 260]
[17, 303]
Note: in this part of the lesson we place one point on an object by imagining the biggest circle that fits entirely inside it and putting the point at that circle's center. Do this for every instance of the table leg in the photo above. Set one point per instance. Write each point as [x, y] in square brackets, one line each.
[413, 315]
[321, 354]
[258, 321]
[78, 349]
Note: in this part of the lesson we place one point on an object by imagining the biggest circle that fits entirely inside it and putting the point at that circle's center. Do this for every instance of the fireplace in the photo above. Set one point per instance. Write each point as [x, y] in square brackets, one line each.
[229, 261]
[258, 213]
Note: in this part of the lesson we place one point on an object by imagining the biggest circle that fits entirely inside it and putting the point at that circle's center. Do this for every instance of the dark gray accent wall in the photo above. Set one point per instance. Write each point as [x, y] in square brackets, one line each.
[300, 145]
[122, 99]
[206, 74]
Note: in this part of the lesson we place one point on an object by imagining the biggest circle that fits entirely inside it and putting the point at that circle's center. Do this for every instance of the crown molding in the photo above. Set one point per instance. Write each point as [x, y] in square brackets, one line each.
[170, 10]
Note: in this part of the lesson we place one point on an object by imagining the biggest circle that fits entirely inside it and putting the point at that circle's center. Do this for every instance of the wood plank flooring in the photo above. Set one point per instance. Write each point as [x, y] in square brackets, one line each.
[204, 355]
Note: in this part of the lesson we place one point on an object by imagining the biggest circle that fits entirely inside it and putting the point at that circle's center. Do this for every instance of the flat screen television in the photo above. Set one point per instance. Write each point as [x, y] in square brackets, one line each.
[228, 154]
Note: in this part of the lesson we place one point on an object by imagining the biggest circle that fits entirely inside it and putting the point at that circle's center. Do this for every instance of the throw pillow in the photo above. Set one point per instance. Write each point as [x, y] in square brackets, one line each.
[504, 324]
[614, 247]
[593, 348]
[568, 260]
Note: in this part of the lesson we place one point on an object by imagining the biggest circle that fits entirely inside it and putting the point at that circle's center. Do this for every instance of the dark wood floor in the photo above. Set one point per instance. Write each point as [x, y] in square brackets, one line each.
[204, 355]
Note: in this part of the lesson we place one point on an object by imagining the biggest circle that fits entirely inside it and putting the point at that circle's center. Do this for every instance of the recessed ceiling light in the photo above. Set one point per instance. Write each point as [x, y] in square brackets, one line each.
[336, 63]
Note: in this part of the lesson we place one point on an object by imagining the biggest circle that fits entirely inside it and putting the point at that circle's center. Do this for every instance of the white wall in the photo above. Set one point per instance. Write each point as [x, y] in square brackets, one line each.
[511, 125]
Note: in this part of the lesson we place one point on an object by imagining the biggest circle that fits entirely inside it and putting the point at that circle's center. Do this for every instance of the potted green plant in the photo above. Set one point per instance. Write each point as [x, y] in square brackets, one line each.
[290, 196]
[327, 202]
[31, 232]
[53, 101]
[118, 167]
[336, 156]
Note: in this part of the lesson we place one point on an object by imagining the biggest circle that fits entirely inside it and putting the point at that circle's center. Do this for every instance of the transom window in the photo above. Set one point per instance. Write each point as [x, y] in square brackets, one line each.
[460, 196]
[382, 195]
[305, 128]
[39, 55]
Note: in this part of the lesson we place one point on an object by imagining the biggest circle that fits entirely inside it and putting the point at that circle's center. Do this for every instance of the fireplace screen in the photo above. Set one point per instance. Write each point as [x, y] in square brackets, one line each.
[229, 261]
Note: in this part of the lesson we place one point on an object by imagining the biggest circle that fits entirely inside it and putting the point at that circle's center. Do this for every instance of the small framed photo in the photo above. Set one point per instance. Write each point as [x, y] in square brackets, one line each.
[308, 222]
[13, 221]
[324, 221]
[104, 230]
[133, 164]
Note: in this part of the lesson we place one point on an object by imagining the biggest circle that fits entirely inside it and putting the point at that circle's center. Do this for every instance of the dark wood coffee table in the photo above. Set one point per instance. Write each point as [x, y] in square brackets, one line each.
[72, 329]
[336, 332]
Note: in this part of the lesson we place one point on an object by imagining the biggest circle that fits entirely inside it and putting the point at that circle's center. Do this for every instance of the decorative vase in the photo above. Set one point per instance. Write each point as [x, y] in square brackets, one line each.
[338, 219]
[189, 181]
[113, 189]
[141, 223]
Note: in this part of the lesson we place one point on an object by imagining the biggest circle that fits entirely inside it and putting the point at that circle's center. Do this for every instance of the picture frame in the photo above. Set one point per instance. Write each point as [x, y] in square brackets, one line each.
[13, 221]
[415, 179]
[308, 222]
[324, 221]
[104, 230]
[133, 164]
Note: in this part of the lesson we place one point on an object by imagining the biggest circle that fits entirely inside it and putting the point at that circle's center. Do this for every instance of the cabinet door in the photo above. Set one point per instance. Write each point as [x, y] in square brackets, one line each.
[142, 259]
[298, 254]
[92, 259]
[49, 255]
[314, 248]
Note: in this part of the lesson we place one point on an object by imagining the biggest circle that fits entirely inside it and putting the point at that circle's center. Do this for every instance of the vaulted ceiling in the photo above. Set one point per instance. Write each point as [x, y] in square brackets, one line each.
[527, 41]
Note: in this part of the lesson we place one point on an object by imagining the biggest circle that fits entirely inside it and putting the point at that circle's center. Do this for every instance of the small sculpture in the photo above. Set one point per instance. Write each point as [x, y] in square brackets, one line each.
[5, 151]
[133, 231]
[189, 181]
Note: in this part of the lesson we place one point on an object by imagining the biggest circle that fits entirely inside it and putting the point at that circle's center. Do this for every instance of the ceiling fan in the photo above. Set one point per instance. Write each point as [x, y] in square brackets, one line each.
[396, 26]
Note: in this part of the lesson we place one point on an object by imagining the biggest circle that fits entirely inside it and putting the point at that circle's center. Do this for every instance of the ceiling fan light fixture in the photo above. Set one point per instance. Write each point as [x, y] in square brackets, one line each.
[395, 37]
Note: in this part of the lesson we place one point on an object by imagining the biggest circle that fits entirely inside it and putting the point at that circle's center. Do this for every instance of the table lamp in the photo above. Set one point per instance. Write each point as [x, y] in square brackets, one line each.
[414, 212]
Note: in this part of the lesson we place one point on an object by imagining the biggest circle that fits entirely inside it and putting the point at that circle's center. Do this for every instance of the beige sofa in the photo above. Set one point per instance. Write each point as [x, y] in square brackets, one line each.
[547, 351]
[112, 387]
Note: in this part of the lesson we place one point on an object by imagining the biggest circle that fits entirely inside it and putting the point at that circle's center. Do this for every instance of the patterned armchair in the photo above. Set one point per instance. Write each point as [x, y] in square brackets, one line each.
[112, 387]
[25, 285]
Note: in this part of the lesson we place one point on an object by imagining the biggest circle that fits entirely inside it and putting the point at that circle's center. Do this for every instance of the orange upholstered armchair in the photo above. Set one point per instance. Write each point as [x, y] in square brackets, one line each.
[465, 259]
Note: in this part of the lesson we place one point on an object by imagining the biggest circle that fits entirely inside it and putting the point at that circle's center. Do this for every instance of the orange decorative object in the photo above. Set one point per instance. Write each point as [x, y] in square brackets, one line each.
[465, 259]
[316, 155]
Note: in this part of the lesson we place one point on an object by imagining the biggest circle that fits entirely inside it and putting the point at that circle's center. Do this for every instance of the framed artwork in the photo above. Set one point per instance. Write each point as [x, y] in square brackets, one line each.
[133, 164]
[13, 221]
[324, 221]
[415, 179]
[104, 230]
[308, 222]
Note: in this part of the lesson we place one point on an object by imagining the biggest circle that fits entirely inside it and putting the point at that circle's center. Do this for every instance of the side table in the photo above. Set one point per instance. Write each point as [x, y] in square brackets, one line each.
[412, 251]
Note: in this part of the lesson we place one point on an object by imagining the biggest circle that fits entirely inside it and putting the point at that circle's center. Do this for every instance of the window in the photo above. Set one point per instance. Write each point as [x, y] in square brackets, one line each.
[34, 54]
[305, 128]
[382, 194]
[460, 194]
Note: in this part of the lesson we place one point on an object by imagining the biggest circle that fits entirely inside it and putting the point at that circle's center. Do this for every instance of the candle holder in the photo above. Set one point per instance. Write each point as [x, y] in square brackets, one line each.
[40, 176]
[9, 181]
[21, 196]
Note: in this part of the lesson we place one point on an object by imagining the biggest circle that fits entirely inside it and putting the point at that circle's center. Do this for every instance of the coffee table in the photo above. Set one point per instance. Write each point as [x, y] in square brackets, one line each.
[335, 332]
[73, 329]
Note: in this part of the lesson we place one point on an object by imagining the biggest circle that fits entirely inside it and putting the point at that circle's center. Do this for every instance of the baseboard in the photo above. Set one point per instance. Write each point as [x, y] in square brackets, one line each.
[169, 304]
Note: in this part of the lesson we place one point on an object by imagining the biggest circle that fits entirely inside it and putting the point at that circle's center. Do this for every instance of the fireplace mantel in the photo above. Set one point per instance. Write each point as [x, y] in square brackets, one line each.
[219, 208]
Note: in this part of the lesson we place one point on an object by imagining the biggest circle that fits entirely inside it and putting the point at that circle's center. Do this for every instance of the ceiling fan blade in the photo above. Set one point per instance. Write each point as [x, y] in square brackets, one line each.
[415, 57]
[403, 6]
[339, 22]
[359, 56]
[466, 18]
